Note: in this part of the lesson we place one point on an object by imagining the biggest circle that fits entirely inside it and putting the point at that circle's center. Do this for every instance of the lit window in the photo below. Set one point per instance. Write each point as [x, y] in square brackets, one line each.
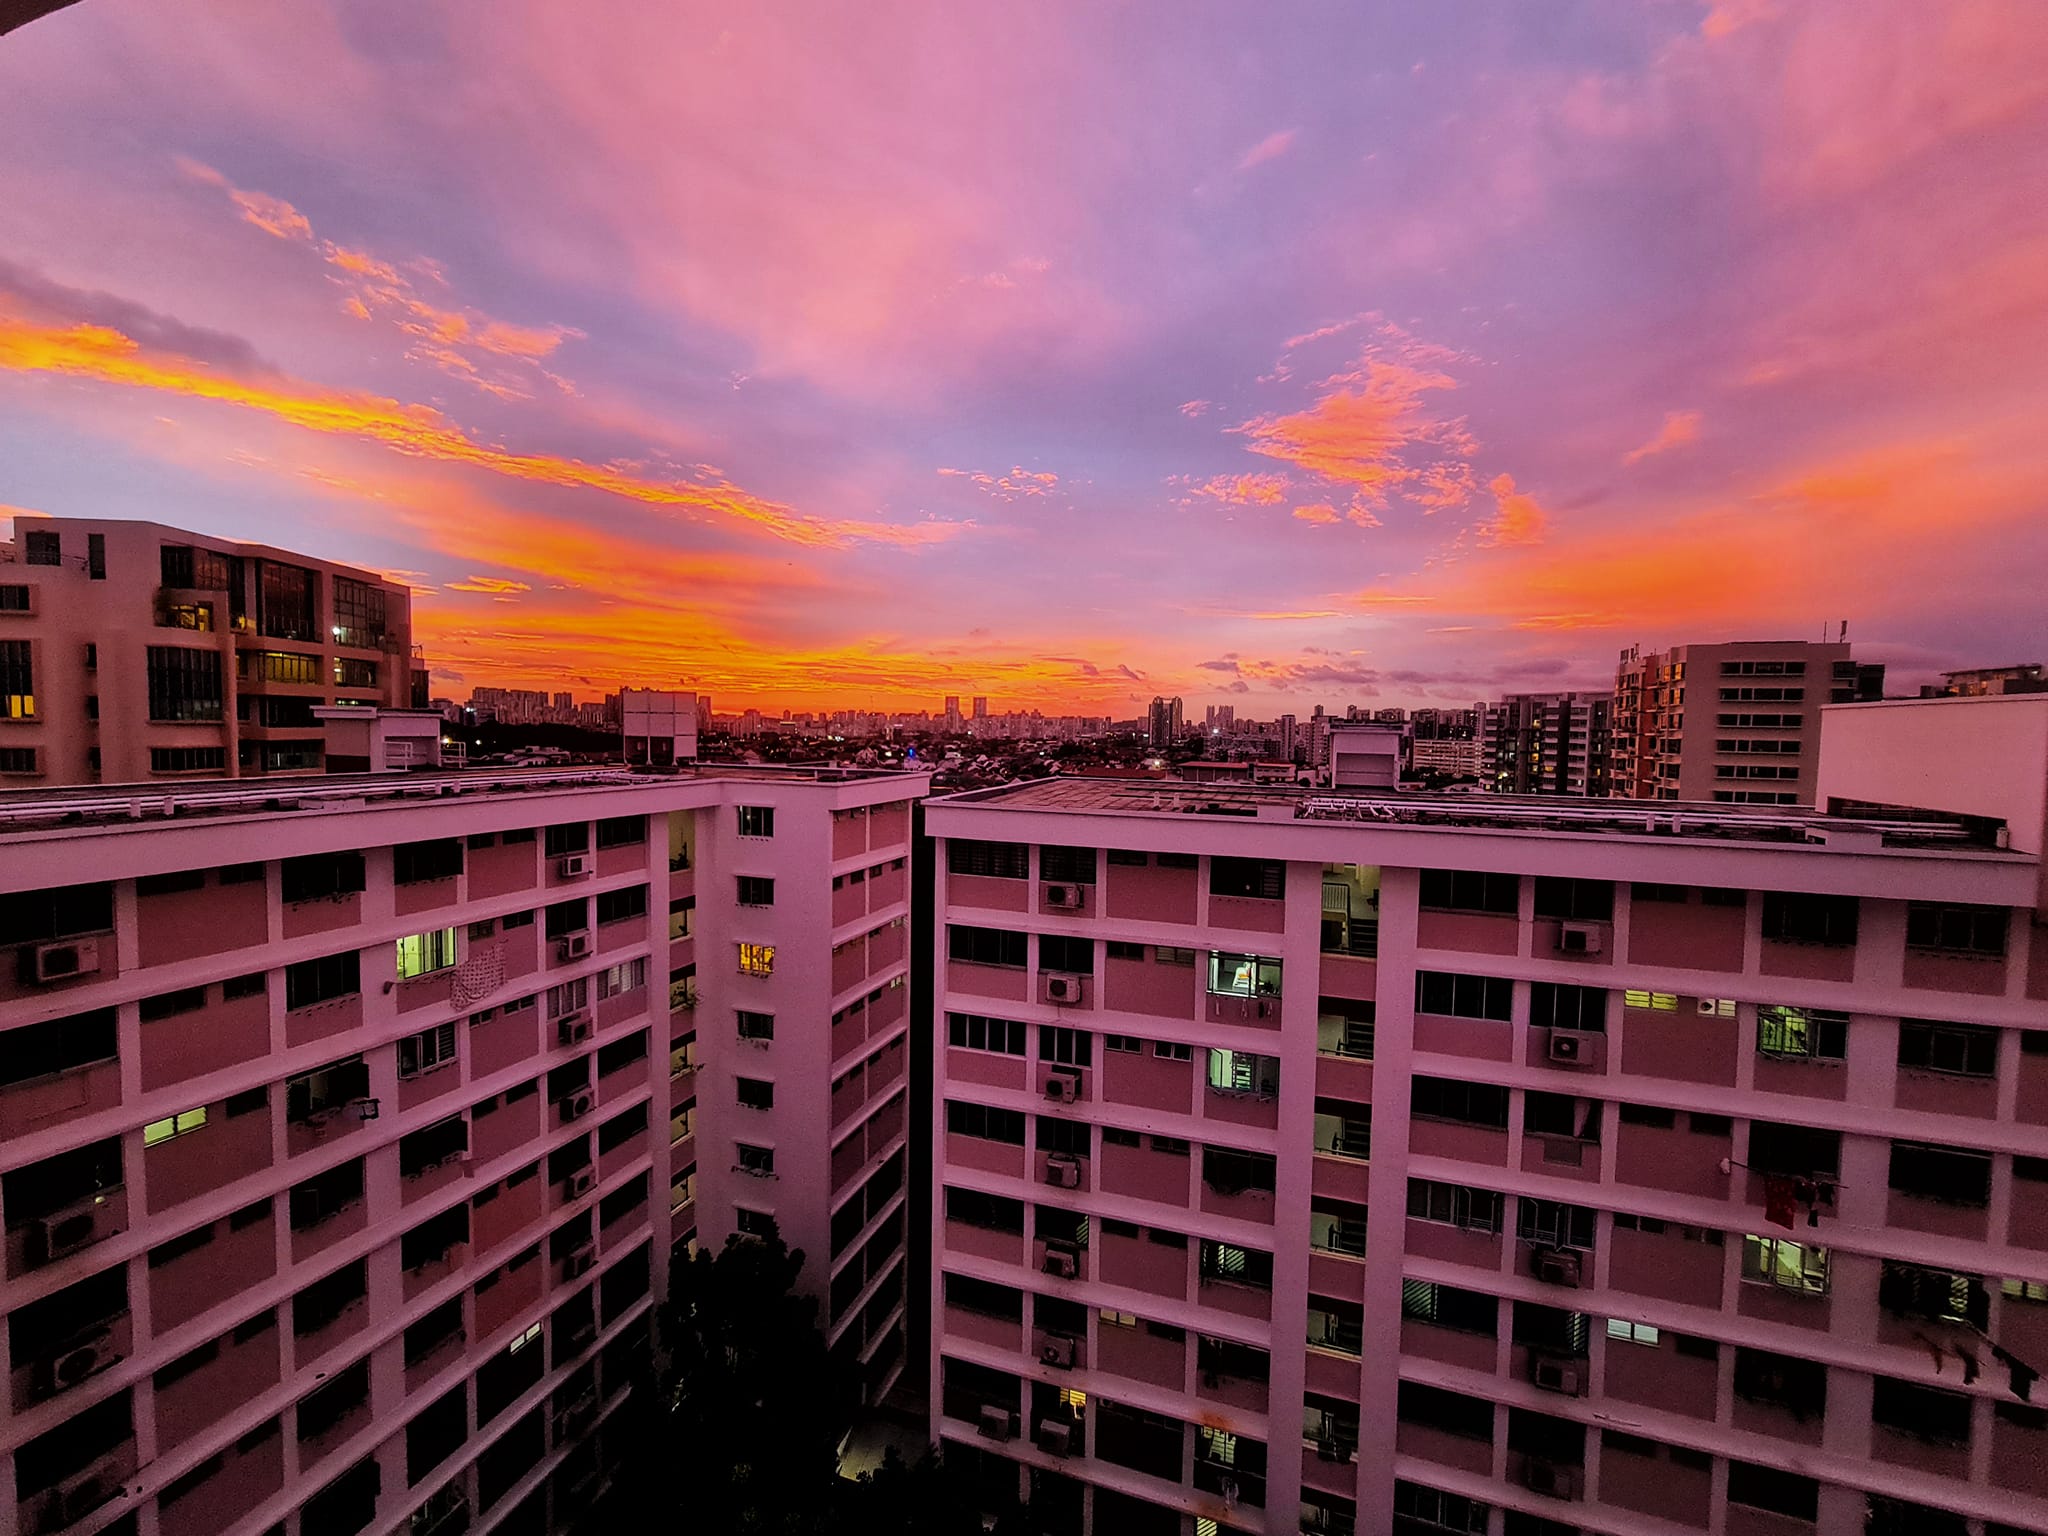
[175, 1125]
[757, 959]
[524, 1339]
[1782, 1262]
[1631, 1333]
[422, 953]
[2025, 1290]
[1660, 1002]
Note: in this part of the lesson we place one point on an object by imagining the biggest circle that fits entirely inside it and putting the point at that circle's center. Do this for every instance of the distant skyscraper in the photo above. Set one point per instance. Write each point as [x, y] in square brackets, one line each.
[1164, 722]
[1547, 743]
[565, 702]
[981, 706]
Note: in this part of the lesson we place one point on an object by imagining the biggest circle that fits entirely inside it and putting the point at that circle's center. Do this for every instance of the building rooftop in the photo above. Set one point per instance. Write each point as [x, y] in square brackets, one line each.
[107, 805]
[1852, 828]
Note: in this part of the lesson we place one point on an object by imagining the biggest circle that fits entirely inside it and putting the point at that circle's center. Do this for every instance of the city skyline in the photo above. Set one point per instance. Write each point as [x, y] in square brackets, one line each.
[1417, 363]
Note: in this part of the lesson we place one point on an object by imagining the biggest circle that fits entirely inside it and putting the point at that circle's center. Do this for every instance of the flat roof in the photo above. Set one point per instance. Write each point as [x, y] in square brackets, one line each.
[88, 805]
[1860, 827]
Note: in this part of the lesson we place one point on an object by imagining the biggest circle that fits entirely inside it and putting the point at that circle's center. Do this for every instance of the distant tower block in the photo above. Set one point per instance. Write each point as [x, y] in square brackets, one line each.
[660, 728]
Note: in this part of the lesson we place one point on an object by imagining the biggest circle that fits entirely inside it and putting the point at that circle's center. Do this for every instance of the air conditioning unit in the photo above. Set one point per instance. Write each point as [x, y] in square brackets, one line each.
[61, 962]
[1061, 1261]
[1063, 1087]
[70, 1363]
[1055, 1436]
[572, 946]
[1541, 1475]
[1070, 898]
[995, 1423]
[1062, 1171]
[1058, 1349]
[570, 867]
[574, 1028]
[580, 1183]
[577, 1260]
[1556, 1266]
[66, 1231]
[1555, 1373]
[1579, 938]
[577, 1105]
[79, 1495]
[1059, 989]
[1573, 1047]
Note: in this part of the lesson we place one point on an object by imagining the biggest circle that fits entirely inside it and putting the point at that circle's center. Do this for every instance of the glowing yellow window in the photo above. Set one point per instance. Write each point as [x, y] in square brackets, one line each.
[757, 959]
[1661, 1002]
[176, 1125]
[421, 953]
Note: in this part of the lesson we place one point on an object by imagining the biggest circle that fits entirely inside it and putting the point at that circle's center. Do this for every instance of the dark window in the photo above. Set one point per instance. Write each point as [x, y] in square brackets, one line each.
[1452, 1412]
[187, 759]
[184, 684]
[756, 820]
[42, 547]
[327, 1298]
[317, 875]
[984, 946]
[1470, 890]
[1059, 952]
[1002, 861]
[621, 831]
[1948, 1174]
[1265, 879]
[284, 601]
[985, 1121]
[1967, 1050]
[568, 837]
[756, 891]
[36, 917]
[622, 905]
[566, 917]
[1926, 1413]
[1793, 1149]
[358, 614]
[973, 1032]
[1449, 1307]
[1444, 1098]
[1070, 866]
[57, 1045]
[1554, 1005]
[1464, 997]
[1767, 1488]
[17, 680]
[1585, 901]
[1956, 929]
[307, 982]
[416, 863]
[1794, 918]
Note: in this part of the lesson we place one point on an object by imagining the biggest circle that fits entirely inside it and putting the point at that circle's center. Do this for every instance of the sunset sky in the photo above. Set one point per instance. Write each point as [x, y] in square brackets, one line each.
[855, 354]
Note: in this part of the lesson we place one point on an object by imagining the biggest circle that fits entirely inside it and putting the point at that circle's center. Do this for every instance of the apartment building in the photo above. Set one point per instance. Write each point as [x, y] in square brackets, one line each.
[131, 652]
[1547, 743]
[1735, 724]
[1501, 1166]
[347, 1135]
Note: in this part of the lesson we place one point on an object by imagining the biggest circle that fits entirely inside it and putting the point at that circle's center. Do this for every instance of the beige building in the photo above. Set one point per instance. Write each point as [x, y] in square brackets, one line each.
[132, 652]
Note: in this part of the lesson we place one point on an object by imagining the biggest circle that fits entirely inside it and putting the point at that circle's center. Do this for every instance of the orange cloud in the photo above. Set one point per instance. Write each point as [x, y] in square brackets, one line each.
[1244, 490]
[1517, 519]
[1008, 487]
[362, 264]
[1679, 428]
[106, 356]
[1356, 435]
[491, 586]
[1318, 512]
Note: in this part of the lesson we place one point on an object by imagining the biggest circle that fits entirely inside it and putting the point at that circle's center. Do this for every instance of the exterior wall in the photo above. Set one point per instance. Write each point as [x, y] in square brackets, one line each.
[1677, 1091]
[264, 1289]
[118, 616]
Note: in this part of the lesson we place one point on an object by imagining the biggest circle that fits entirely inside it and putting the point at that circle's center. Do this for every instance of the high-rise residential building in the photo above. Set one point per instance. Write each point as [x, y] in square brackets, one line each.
[1419, 1163]
[1220, 719]
[1736, 723]
[1290, 743]
[1165, 723]
[131, 653]
[1547, 743]
[980, 706]
[346, 1139]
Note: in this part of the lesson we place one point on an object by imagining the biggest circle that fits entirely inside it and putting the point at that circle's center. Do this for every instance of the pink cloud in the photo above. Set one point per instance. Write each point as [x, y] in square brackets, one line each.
[1271, 147]
[1679, 428]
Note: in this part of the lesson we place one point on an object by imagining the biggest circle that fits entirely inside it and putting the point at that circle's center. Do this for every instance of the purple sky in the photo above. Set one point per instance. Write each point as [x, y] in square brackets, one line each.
[1067, 354]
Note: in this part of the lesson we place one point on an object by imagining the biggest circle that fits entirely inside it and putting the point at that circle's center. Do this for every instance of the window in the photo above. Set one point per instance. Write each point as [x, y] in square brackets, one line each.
[1129, 1045]
[1470, 890]
[1553, 1005]
[754, 1093]
[168, 1005]
[1626, 1332]
[42, 547]
[358, 614]
[1059, 952]
[1768, 1488]
[279, 667]
[1243, 1072]
[1067, 1047]
[757, 959]
[425, 1051]
[284, 601]
[417, 863]
[1439, 1408]
[1925, 1413]
[756, 820]
[1455, 1205]
[1966, 1050]
[422, 953]
[1445, 1098]
[35, 917]
[566, 838]
[756, 891]
[1580, 901]
[17, 759]
[173, 1125]
[984, 946]
[1172, 1050]
[567, 917]
[1230, 1171]
[1464, 997]
[1553, 1223]
[183, 684]
[1956, 930]
[15, 599]
[985, 1122]
[187, 759]
[307, 982]
[1939, 1295]
[622, 832]
[1433, 1510]
[1231, 1264]
[1797, 1150]
[1232, 975]
[320, 1093]
[998, 861]
[626, 976]
[318, 876]
[1801, 1034]
[17, 680]
[622, 905]
[1449, 1307]
[1071, 866]
[1948, 1174]
[758, 1161]
[1781, 1262]
[1263, 879]
[1793, 918]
